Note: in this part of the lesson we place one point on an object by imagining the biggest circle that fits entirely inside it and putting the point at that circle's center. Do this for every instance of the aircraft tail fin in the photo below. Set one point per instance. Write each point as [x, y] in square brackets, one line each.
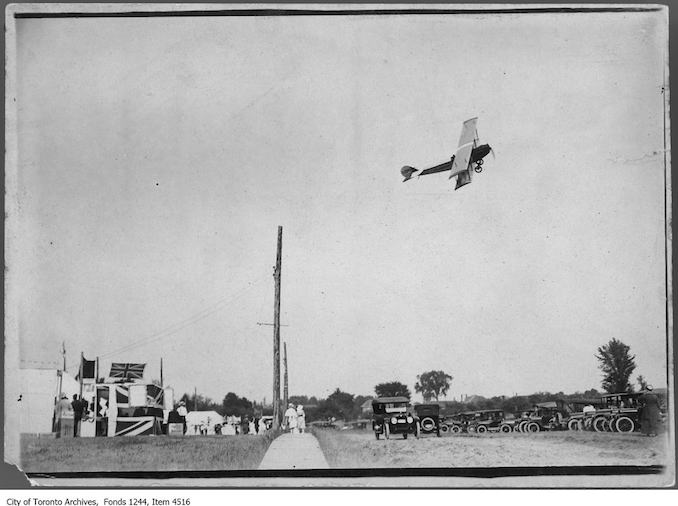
[407, 172]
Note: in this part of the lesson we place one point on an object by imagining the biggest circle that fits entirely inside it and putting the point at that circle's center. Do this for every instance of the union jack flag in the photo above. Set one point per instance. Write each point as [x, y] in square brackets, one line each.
[127, 371]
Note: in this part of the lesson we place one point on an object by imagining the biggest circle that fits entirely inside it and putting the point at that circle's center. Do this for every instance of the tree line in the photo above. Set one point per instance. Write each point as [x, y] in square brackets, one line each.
[614, 360]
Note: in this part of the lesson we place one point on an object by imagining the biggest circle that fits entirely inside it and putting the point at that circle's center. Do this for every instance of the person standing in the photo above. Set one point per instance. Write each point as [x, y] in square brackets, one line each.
[62, 412]
[649, 416]
[182, 413]
[301, 419]
[291, 418]
[78, 406]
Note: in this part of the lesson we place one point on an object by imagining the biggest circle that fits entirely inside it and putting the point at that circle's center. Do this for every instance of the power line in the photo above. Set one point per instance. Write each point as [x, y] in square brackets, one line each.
[186, 322]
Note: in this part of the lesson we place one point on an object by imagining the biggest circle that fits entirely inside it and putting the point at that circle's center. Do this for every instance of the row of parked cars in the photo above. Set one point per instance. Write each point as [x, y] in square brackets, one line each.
[611, 413]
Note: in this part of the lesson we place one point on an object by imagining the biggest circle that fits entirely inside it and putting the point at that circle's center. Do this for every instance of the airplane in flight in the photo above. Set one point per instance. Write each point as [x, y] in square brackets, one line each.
[469, 156]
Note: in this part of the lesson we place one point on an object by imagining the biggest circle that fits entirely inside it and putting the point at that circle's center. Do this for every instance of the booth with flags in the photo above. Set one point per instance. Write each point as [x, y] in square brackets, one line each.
[124, 404]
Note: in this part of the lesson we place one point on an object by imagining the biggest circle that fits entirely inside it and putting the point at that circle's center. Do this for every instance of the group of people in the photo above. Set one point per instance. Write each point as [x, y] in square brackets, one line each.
[67, 413]
[295, 419]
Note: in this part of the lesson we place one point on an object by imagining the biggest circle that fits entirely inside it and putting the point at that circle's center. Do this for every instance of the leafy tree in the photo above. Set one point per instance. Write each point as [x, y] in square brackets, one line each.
[433, 384]
[339, 405]
[232, 405]
[617, 364]
[392, 389]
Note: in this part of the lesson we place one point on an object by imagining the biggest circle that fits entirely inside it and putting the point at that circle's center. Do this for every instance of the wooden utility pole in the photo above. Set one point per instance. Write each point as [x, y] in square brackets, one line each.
[80, 371]
[195, 398]
[285, 392]
[276, 334]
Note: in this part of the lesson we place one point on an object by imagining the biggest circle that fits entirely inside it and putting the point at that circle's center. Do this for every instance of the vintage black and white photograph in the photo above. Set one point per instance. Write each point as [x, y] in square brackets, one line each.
[298, 245]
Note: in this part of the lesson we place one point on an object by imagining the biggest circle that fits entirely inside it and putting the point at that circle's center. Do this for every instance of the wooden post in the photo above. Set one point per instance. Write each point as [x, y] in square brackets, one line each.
[162, 384]
[285, 392]
[96, 373]
[195, 398]
[276, 335]
[82, 357]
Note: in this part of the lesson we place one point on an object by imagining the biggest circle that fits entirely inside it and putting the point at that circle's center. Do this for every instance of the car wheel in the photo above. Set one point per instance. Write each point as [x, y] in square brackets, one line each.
[599, 423]
[573, 425]
[387, 431]
[444, 428]
[456, 429]
[533, 427]
[427, 424]
[505, 428]
[588, 424]
[481, 429]
[625, 424]
[523, 425]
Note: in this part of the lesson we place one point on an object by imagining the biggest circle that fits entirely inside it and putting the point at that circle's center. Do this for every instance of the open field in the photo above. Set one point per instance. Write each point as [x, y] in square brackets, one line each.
[360, 449]
[143, 453]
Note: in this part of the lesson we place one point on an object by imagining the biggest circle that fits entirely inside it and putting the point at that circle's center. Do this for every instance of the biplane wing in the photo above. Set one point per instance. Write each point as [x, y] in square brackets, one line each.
[467, 140]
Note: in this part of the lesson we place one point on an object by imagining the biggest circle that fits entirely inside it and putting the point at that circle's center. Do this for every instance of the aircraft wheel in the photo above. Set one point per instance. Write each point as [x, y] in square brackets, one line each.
[387, 431]
[480, 162]
[478, 169]
[625, 424]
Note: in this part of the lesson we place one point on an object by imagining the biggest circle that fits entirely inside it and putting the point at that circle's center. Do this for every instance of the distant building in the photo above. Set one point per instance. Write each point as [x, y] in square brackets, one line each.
[366, 408]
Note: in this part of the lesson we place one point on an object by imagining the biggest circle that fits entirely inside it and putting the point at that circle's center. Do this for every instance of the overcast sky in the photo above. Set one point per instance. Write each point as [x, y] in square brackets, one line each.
[157, 156]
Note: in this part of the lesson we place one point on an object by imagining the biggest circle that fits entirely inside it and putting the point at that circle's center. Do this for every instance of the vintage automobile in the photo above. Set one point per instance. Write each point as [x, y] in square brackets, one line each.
[486, 420]
[620, 414]
[459, 422]
[581, 413]
[429, 418]
[391, 416]
[550, 415]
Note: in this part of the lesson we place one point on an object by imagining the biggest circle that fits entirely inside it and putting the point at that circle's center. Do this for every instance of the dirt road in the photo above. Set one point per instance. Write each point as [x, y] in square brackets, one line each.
[294, 451]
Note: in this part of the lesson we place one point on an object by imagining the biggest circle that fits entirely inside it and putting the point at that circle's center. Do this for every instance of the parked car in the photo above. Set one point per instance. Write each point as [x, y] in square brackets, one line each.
[486, 420]
[391, 416]
[429, 418]
[458, 422]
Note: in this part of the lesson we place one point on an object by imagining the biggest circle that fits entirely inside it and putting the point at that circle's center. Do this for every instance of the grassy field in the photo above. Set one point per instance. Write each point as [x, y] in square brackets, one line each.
[360, 449]
[143, 453]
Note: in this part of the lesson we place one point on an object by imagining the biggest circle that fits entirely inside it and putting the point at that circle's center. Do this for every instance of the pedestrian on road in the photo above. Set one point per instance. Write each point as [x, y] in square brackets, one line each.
[649, 416]
[301, 419]
[291, 417]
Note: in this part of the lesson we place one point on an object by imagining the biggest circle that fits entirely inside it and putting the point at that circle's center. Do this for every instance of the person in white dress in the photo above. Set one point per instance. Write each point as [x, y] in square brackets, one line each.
[291, 418]
[301, 419]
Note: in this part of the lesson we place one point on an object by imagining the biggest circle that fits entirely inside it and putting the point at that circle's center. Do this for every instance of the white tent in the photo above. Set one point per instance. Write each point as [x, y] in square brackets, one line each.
[208, 419]
[39, 389]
